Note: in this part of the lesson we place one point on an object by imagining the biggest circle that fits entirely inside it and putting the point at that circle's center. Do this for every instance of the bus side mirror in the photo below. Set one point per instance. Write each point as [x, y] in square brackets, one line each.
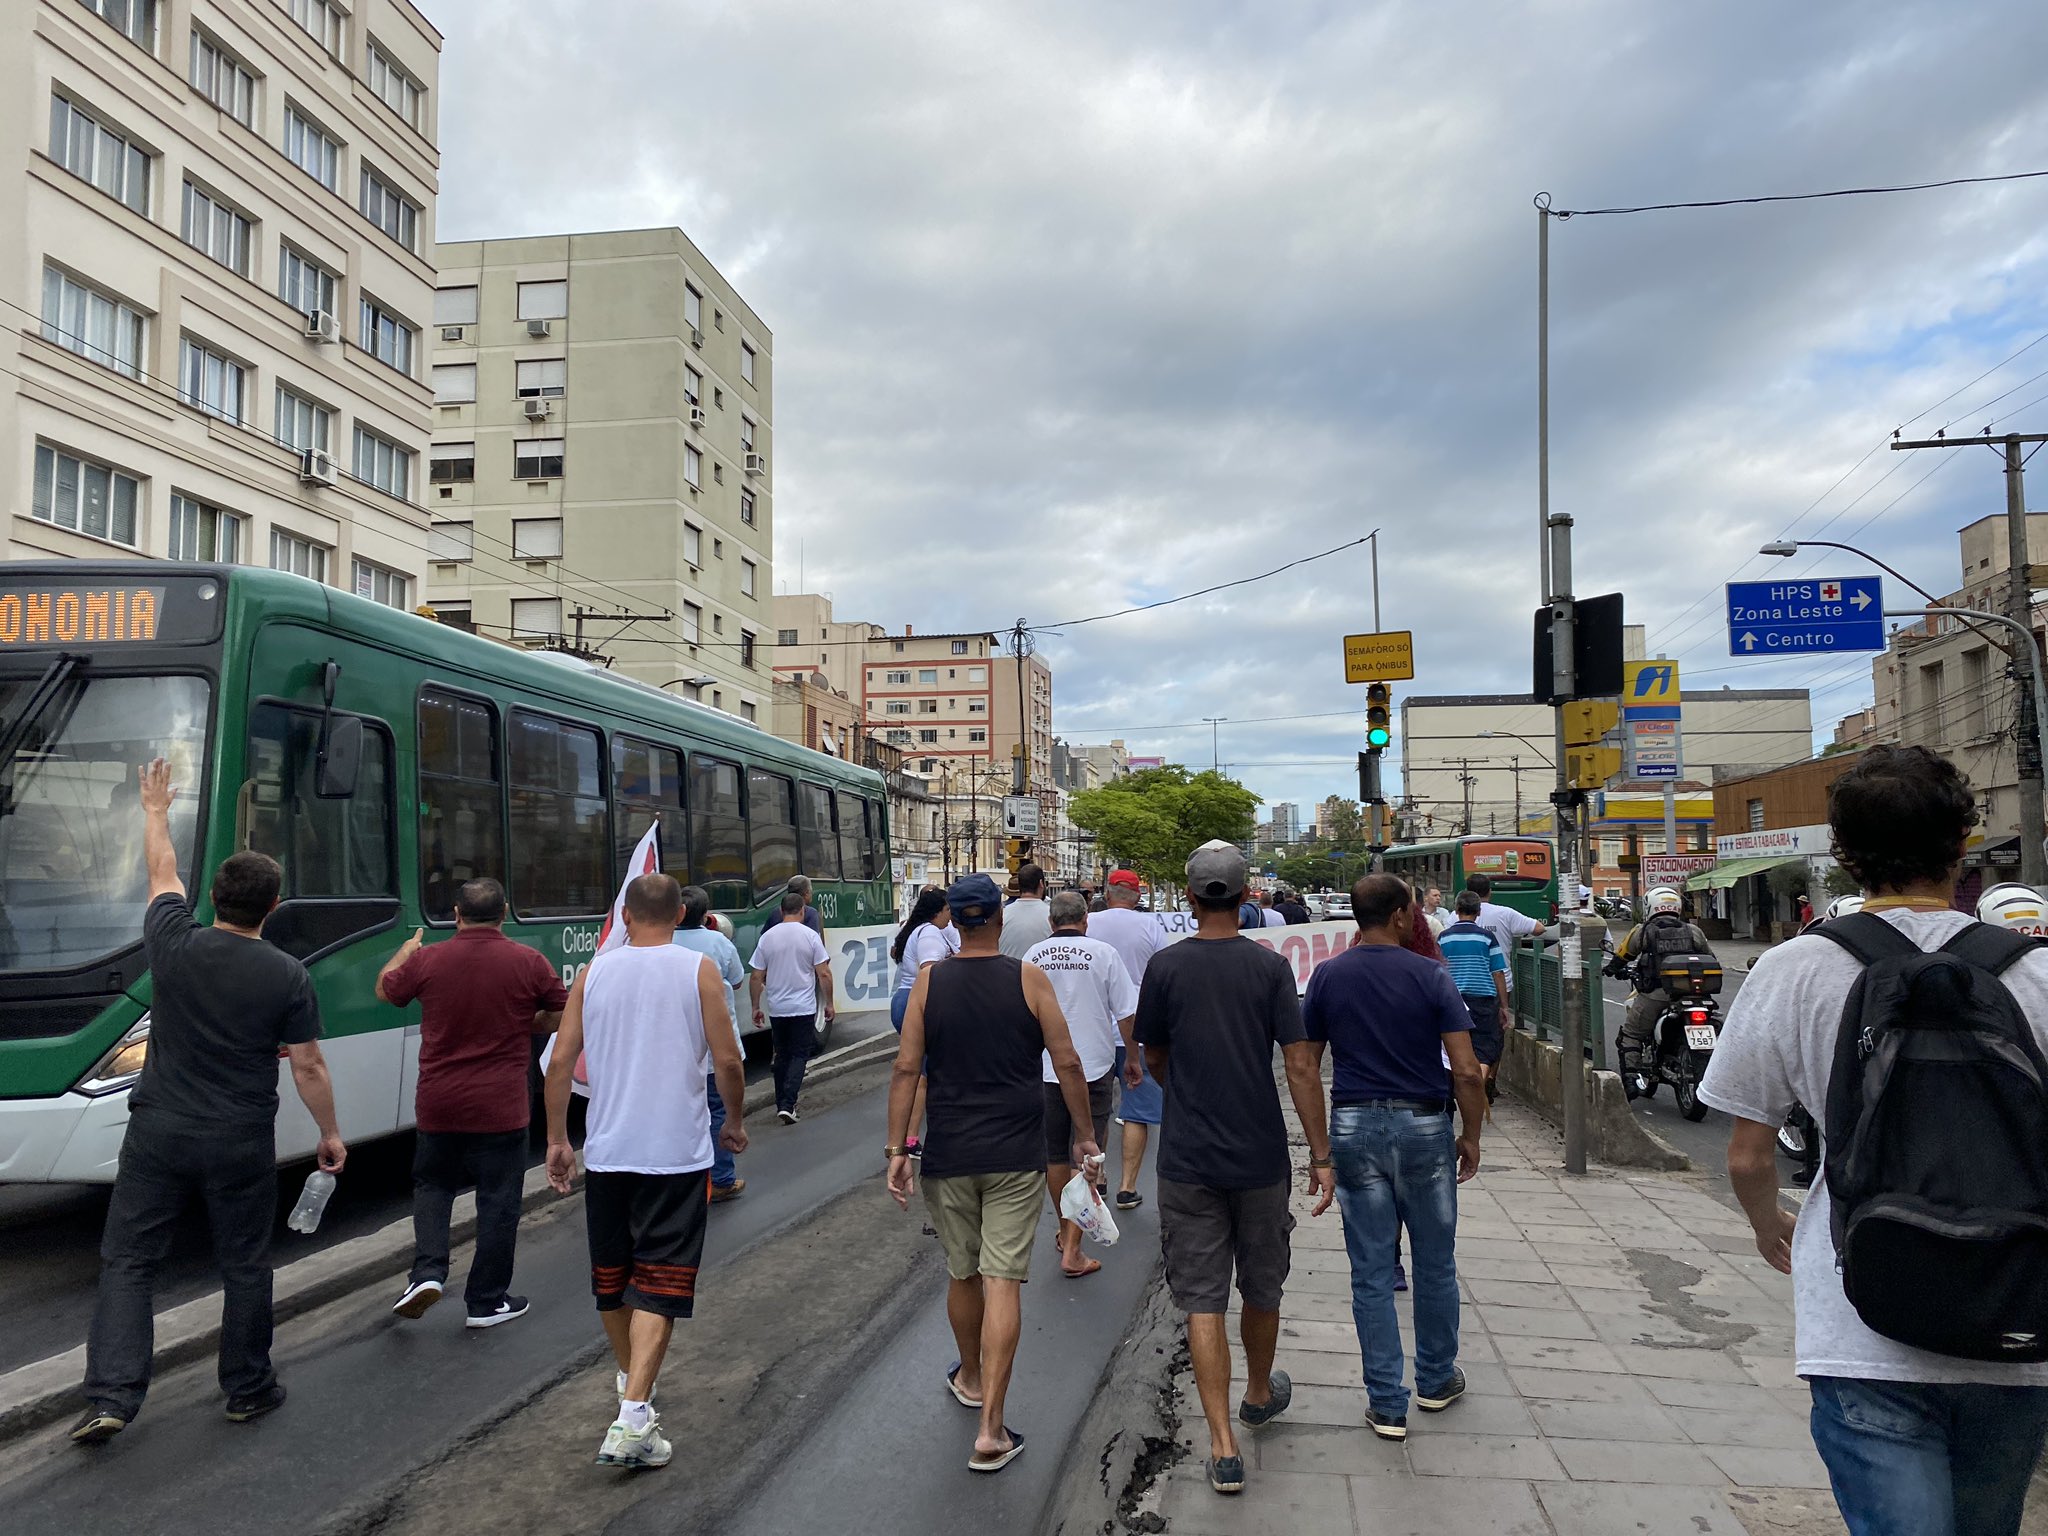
[340, 760]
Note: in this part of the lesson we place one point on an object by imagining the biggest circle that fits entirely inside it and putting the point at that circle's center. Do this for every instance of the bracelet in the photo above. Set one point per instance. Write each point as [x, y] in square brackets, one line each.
[894, 1152]
[1322, 1162]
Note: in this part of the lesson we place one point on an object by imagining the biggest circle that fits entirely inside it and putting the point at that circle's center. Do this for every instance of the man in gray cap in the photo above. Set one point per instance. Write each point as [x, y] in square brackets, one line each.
[1210, 1012]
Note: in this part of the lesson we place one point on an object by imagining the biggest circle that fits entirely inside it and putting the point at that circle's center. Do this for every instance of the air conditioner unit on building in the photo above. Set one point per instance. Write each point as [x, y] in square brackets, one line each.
[539, 328]
[757, 463]
[451, 333]
[316, 467]
[321, 326]
[698, 417]
[539, 410]
[696, 337]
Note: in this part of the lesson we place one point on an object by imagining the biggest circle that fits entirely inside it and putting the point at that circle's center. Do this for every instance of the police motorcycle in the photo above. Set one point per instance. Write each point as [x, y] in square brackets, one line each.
[1688, 1024]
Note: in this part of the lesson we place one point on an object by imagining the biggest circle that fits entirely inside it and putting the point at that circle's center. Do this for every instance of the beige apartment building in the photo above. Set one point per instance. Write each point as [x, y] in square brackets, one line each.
[216, 288]
[601, 458]
[808, 641]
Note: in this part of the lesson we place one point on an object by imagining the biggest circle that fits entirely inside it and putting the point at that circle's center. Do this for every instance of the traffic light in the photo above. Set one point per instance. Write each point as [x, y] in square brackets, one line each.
[1591, 767]
[1016, 852]
[1378, 717]
[1587, 720]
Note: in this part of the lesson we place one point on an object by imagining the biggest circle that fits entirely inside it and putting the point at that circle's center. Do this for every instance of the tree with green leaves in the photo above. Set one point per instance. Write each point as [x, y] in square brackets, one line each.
[1152, 820]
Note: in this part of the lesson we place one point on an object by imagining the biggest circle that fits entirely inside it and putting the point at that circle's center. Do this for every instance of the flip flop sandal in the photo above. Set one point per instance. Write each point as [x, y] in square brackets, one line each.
[996, 1463]
[953, 1386]
[1083, 1274]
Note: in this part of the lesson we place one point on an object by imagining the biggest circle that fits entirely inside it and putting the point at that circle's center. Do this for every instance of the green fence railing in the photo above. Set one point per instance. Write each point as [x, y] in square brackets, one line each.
[1539, 996]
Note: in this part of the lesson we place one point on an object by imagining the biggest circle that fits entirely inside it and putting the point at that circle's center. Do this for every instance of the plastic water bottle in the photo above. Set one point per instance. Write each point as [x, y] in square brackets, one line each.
[305, 1216]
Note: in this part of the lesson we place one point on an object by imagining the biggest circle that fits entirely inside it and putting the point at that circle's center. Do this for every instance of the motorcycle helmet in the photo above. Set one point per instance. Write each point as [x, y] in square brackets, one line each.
[1663, 899]
[2014, 906]
[1842, 906]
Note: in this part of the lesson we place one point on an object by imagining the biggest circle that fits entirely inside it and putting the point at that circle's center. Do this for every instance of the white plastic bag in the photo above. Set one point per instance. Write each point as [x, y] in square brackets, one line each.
[1086, 1209]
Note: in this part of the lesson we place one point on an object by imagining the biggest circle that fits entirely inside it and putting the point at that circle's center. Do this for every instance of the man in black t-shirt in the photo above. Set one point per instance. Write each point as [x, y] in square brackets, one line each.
[203, 1124]
[1210, 1011]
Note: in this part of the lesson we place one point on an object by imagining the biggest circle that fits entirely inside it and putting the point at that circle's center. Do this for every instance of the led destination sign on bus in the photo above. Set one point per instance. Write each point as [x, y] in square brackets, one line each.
[51, 613]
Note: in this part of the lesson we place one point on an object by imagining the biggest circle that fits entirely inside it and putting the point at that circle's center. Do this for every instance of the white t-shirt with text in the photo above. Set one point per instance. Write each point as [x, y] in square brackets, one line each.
[1094, 989]
[927, 943]
[788, 955]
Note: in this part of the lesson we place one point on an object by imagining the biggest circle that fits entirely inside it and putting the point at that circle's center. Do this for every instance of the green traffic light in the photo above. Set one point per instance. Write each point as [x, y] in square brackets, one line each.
[1378, 736]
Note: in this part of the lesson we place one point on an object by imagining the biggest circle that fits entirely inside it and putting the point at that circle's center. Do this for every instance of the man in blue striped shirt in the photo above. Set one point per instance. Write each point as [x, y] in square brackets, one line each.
[1479, 970]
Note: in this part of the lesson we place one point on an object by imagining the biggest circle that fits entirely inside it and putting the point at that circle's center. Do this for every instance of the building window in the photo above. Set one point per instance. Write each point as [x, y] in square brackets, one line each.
[977, 706]
[1756, 815]
[977, 674]
[537, 458]
[746, 648]
[544, 379]
[746, 578]
[217, 385]
[929, 736]
[381, 586]
[382, 464]
[896, 679]
[301, 424]
[223, 80]
[693, 618]
[928, 675]
[395, 88]
[746, 362]
[977, 734]
[456, 616]
[536, 618]
[896, 707]
[213, 227]
[693, 385]
[455, 306]
[133, 19]
[693, 308]
[318, 20]
[390, 210]
[693, 544]
[451, 463]
[693, 466]
[97, 327]
[544, 301]
[747, 508]
[927, 706]
[302, 557]
[303, 283]
[746, 709]
[785, 637]
[718, 623]
[95, 153]
[451, 543]
[536, 538]
[83, 496]
[959, 647]
[386, 337]
[454, 383]
[312, 149]
[747, 433]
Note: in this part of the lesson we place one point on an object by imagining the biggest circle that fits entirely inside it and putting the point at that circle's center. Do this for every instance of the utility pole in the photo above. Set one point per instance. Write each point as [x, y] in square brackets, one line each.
[2018, 608]
[1021, 646]
[1515, 767]
[1215, 754]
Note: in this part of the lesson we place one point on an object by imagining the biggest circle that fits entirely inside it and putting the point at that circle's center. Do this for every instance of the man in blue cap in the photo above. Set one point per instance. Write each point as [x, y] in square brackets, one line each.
[975, 1027]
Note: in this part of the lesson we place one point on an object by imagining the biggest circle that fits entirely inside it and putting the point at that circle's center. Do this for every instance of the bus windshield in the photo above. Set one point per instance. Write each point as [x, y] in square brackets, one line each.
[72, 883]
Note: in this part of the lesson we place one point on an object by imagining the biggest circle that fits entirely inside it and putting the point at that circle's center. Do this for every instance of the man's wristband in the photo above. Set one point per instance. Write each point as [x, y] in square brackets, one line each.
[895, 1152]
[1322, 1162]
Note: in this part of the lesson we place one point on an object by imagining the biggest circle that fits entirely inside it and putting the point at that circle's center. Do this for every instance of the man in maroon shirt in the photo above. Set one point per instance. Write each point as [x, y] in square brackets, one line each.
[482, 999]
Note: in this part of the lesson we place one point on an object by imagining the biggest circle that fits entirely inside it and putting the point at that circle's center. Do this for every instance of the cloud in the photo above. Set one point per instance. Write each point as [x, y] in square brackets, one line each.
[1076, 306]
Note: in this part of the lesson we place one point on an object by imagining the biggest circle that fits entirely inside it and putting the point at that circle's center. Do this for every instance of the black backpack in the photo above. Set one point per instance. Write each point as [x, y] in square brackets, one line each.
[1937, 1145]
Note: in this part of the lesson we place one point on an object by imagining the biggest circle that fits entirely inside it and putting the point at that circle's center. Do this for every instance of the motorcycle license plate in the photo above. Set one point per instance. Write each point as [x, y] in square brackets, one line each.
[1699, 1037]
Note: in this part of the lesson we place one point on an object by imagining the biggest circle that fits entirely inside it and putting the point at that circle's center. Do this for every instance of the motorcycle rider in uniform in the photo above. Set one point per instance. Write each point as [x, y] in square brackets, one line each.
[1664, 932]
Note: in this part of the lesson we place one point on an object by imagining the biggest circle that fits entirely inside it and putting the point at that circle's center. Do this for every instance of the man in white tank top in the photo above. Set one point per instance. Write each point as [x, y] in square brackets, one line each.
[646, 1017]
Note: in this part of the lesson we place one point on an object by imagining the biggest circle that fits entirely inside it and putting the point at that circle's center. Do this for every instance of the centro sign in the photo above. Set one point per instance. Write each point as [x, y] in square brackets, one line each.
[1786, 840]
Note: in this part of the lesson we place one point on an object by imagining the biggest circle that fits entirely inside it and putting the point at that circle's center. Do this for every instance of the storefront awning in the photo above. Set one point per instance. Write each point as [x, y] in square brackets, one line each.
[1728, 871]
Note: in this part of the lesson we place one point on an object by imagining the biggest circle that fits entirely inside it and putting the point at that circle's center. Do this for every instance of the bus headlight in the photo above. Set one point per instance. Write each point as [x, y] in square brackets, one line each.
[120, 1067]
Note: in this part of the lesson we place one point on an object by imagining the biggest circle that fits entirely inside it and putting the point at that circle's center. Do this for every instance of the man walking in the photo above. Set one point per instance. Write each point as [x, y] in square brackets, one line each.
[801, 884]
[1097, 999]
[203, 1124]
[1269, 909]
[697, 933]
[1504, 923]
[1137, 937]
[1211, 1011]
[978, 1027]
[1914, 1441]
[1433, 910]
[644, 1016]
[482, 1000]
[1027, 920]
[1392, 1019]
[793, 973]
[1479, 970]
[1291, 909]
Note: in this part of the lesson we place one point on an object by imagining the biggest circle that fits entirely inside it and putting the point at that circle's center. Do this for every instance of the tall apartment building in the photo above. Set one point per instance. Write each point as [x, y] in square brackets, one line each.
[602, 441]
[217, 283]
[953, 702]
[809, 640]
[1286, 823]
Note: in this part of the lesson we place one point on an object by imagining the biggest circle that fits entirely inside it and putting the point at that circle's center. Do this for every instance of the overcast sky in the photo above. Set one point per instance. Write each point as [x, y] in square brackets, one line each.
[1078, 306]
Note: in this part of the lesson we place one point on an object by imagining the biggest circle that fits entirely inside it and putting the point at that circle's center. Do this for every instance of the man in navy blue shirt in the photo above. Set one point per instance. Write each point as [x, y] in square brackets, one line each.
[1401, 1038]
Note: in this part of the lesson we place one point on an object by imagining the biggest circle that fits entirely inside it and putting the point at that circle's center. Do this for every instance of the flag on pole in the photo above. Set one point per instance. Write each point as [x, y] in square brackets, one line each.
[646, 860]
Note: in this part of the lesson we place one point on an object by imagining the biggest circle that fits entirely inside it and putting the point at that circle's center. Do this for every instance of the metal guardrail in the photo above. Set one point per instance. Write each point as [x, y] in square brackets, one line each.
[1538, 975]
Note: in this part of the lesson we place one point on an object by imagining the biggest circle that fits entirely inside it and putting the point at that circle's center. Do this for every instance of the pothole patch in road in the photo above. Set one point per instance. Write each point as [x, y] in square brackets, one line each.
[1668, 1280]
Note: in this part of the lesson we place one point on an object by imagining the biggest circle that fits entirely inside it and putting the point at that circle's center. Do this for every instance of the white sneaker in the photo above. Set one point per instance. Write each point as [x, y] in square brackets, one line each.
[650, 1391]
[646, 1447]
[419, 1296]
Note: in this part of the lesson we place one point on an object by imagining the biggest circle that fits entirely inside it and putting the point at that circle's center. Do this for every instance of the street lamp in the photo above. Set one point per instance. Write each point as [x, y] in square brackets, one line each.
[1518, 736]
[1789, 547]
[1215, 753]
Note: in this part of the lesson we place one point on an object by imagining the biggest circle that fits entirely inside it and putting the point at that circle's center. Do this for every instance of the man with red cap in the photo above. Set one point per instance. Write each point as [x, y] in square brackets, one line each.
[1137, 937]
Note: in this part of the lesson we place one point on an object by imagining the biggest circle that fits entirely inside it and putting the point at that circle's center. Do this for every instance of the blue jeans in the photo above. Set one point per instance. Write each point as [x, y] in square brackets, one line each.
[1397, 1168]
[1923, 1459]
[724, 1169]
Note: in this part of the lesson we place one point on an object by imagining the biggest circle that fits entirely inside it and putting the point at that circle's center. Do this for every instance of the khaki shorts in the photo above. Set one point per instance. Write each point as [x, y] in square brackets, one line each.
[987, 1222]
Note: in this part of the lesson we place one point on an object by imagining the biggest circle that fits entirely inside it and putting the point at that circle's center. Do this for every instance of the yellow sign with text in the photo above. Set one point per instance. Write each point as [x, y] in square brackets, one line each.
[1648, 682]
[1387, 657]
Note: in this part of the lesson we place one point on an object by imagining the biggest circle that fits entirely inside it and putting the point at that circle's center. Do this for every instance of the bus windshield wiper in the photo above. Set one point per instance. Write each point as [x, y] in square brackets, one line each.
[62, 668]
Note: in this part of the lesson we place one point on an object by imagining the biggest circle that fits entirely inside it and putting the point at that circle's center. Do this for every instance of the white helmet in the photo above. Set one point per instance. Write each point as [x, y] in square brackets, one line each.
[1842, 906]
[1664, 898]
[2018, 907]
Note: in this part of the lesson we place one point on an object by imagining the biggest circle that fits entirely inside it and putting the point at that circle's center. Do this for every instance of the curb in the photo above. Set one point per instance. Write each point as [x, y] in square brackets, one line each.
[44, 1391]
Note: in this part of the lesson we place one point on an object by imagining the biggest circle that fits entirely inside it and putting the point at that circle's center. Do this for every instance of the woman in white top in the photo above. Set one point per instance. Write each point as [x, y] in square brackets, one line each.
[926, 937]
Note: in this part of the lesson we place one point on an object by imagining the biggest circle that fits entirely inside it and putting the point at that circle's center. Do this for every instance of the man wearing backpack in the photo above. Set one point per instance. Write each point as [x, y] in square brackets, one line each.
[1664, 932]
[1918, 1264]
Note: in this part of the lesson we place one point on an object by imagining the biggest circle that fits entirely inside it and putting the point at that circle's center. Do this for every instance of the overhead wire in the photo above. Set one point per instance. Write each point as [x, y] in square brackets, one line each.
[1790, 197]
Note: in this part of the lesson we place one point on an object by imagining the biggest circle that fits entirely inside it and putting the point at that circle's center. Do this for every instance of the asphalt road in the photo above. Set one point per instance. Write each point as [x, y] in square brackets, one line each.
[50, 1233]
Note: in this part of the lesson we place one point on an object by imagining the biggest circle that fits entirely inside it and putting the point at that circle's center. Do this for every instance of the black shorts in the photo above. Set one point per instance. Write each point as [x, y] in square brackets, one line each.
[1207, 1232]
[646, 1239]
[1059, 1125]
[1488, 1041]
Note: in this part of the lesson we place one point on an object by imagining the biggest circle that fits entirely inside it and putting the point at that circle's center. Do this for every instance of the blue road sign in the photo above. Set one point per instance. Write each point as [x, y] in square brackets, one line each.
[1807, 616]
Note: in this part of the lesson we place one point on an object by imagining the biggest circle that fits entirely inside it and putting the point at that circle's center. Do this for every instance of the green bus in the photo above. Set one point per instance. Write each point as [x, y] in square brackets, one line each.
[382, 759]
[1523, 870]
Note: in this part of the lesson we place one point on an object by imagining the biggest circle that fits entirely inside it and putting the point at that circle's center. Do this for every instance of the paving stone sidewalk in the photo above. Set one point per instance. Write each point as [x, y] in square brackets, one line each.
[1630, 1365]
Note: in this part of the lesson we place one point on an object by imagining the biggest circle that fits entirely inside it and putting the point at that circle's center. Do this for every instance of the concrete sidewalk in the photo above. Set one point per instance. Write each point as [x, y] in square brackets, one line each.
[1630, 1365]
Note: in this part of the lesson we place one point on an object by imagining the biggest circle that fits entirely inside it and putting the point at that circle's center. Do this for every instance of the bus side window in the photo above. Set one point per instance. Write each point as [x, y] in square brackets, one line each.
[325, 847]
[462, 815]
[647, 784]
[771, 828]
[853, 837]
[718, 831]
[561, 822]
[818, 844]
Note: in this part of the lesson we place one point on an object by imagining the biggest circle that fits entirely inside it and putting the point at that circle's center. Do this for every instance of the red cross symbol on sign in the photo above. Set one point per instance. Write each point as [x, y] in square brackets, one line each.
[1831, 591]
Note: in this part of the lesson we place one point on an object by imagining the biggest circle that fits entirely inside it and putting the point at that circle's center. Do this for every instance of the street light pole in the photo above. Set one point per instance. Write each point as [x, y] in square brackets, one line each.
[1215, 753]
